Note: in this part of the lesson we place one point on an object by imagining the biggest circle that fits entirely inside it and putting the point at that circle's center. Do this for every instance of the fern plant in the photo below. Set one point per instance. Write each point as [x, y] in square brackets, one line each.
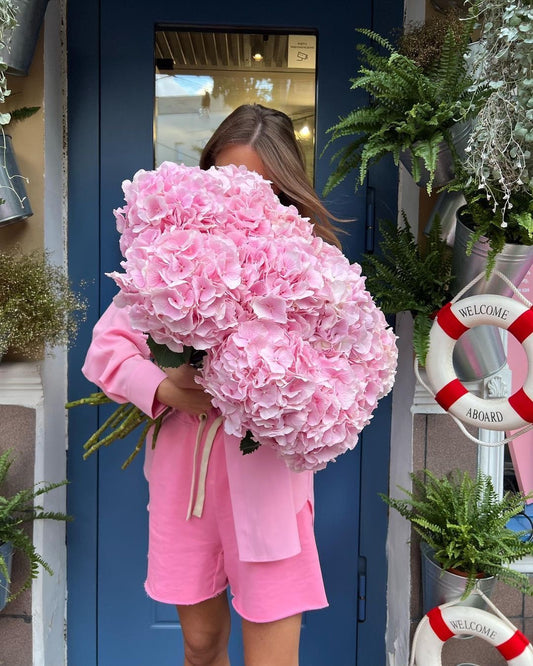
[16, 512]
[464, 522]
[410, 108]
[406, 276]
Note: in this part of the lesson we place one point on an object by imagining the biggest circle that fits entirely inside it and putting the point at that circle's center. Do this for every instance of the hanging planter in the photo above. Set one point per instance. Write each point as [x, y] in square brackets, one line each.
[446, 160]
[479, 353]
[15, 205]
[6, 555]
[20, 41]
[413, 111]
[445, 209]
[514, 261]
[14, 202]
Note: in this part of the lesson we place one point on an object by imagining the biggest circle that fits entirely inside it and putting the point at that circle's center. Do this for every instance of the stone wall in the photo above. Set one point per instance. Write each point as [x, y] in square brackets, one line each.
[17, 432]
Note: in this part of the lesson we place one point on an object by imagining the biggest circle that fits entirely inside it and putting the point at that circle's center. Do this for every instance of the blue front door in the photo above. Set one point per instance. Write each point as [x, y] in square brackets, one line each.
[111, 622]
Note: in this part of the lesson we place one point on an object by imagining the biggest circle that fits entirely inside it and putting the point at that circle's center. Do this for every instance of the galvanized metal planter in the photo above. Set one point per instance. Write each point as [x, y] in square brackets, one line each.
[445, 169]
[445, 208]
[20, 44]
[479, 352]
[16, 205]
[513, 261]
[440, 586]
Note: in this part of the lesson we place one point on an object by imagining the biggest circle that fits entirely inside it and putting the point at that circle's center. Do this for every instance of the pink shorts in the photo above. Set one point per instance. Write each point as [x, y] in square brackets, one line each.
[190, 561]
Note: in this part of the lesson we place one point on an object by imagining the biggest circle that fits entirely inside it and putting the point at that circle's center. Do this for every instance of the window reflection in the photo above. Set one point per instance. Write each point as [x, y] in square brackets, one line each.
[202, 77]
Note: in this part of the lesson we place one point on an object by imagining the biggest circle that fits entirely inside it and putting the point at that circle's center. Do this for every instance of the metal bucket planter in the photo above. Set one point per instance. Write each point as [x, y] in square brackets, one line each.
[6, 553]
[21, 41]
[479, 352]
[16, 205]
[446, 207]
[445, 169]
[439, 586]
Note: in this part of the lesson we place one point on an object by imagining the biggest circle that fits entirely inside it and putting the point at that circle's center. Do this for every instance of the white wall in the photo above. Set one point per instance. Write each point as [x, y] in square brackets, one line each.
[397, 638]
[49, 592]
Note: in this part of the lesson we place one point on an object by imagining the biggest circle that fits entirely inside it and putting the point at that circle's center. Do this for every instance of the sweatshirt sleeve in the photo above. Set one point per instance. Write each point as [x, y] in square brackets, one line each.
[118, 362]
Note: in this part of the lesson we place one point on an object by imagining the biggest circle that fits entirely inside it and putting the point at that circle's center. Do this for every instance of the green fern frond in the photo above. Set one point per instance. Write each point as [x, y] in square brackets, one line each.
[376, 37]
[421, 328]
[16, 511]
[428, 152]
[22, 113]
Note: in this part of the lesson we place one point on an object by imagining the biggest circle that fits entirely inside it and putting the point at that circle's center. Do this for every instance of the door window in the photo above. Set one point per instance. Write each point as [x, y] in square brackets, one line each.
[201, 77]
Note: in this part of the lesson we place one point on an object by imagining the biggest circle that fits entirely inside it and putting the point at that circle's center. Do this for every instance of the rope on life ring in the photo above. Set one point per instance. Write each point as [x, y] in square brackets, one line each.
[454, 319]
[444, 622]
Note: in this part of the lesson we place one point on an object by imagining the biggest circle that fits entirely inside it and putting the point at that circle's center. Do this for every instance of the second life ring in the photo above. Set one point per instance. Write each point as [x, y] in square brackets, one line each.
[451, 322]
[442, 623]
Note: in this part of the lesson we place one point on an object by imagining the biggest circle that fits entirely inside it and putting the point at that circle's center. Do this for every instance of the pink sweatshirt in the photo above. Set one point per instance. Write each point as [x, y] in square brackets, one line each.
[265, 494]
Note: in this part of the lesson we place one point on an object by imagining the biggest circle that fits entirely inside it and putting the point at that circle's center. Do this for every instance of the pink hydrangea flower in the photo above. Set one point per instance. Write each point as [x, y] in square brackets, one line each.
[297, 351]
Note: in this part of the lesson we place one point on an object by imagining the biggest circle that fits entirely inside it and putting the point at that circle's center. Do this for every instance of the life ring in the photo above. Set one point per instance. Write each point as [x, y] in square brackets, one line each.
[442, 623]
[451, 322]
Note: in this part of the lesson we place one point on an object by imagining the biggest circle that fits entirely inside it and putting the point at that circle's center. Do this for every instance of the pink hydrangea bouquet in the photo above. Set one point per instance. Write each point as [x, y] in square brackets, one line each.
[297, 354]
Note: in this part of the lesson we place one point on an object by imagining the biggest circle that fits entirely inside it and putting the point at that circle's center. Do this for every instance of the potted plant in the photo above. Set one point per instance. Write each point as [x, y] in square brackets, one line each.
[37, 304]
[464, 523]
[407, 276]
[8, 21]
[20, 23]
[496, 175]
[413, 110]
[16, 512]
[14, 202]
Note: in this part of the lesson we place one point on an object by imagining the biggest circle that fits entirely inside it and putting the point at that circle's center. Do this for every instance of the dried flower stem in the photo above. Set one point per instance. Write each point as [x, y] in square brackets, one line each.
[124, 420]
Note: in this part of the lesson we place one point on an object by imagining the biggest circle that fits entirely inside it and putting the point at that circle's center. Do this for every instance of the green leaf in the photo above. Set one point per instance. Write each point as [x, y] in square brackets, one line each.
[248, 443]
[23, 112]
[166, 358]
[422, 327]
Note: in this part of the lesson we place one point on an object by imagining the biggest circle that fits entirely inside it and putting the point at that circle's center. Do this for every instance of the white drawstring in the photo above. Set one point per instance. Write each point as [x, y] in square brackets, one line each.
[204, 462]
[208, 445]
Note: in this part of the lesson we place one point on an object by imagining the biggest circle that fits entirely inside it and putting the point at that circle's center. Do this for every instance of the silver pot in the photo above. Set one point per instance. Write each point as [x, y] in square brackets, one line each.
[445, 169]
[440, 587]
[479, 353]
[16, 204]
[446, 207]
[513, 261]
[21, 40]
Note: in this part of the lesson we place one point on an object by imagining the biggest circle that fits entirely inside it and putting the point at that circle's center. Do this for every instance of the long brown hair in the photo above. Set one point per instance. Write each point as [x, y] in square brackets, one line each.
[271, 134]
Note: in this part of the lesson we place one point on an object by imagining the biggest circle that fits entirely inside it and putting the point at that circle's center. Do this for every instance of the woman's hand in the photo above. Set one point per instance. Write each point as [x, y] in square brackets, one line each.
[183, 376]
[180, 391]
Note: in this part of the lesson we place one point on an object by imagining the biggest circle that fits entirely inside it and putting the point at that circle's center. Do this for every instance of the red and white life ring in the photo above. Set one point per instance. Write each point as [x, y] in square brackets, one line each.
[451, 322]
[442, 623]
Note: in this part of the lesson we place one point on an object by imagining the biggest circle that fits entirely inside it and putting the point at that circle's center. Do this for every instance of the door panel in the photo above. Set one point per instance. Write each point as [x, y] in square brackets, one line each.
[111, 103]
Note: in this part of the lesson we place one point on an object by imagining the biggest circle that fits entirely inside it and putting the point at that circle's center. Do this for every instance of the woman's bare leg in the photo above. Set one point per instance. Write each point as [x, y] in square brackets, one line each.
[272, 643]
[206, 628]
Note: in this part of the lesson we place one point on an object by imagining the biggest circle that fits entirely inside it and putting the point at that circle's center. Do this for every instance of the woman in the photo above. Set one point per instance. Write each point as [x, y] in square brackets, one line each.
[218, 518]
